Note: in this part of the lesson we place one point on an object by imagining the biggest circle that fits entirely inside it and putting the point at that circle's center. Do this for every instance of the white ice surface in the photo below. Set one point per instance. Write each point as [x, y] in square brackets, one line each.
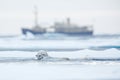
[36, 71]
[57, 44]
[60, 71]
[86, 53]
[110, 53]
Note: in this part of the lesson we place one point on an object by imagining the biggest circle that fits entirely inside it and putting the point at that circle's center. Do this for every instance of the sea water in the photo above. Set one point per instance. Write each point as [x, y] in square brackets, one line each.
[90, 57]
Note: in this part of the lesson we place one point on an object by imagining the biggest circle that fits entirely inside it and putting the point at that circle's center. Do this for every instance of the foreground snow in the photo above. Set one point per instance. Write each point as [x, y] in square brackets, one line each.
[42, 71]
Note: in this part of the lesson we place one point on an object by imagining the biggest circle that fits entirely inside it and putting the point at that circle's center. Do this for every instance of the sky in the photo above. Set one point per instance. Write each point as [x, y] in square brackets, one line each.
[103, 15]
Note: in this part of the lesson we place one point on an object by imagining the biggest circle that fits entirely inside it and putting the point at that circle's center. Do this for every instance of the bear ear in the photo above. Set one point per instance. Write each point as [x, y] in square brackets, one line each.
[39, 51]
[42, 51]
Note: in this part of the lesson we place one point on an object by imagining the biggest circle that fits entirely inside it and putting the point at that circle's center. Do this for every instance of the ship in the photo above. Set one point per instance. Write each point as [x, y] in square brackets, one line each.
[65, 28]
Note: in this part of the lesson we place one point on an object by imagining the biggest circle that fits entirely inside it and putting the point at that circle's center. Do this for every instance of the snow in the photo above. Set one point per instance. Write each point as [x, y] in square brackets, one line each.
[65, 70]
[23, 44]
[110, 53]
[18, 60]
[80, 54]
[86, 53]
[36, 71]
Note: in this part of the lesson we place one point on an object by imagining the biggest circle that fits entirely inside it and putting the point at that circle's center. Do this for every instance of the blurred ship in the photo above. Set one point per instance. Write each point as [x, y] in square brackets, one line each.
[66, 28]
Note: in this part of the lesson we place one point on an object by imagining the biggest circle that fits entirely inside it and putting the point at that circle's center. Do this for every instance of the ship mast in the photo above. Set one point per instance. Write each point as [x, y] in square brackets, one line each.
[36, 16]
[68, 21]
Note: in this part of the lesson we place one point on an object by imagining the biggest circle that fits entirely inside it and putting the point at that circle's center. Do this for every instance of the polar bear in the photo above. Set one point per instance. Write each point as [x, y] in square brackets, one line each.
[41, 54]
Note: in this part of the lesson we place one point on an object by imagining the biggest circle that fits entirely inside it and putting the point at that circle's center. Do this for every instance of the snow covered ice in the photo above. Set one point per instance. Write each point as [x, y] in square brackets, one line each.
[67, 58]
[17, 65]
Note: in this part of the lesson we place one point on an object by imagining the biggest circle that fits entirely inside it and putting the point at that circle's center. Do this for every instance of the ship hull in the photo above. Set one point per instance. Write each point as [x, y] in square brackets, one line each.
[25, 31]
[88, 33]
[77, 33]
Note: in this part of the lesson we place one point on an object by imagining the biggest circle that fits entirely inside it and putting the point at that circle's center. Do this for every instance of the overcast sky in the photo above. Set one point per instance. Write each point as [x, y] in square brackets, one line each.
[104, 15]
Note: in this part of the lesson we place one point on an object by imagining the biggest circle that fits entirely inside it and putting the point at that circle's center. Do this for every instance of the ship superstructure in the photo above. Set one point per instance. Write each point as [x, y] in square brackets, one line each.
[72, 29]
